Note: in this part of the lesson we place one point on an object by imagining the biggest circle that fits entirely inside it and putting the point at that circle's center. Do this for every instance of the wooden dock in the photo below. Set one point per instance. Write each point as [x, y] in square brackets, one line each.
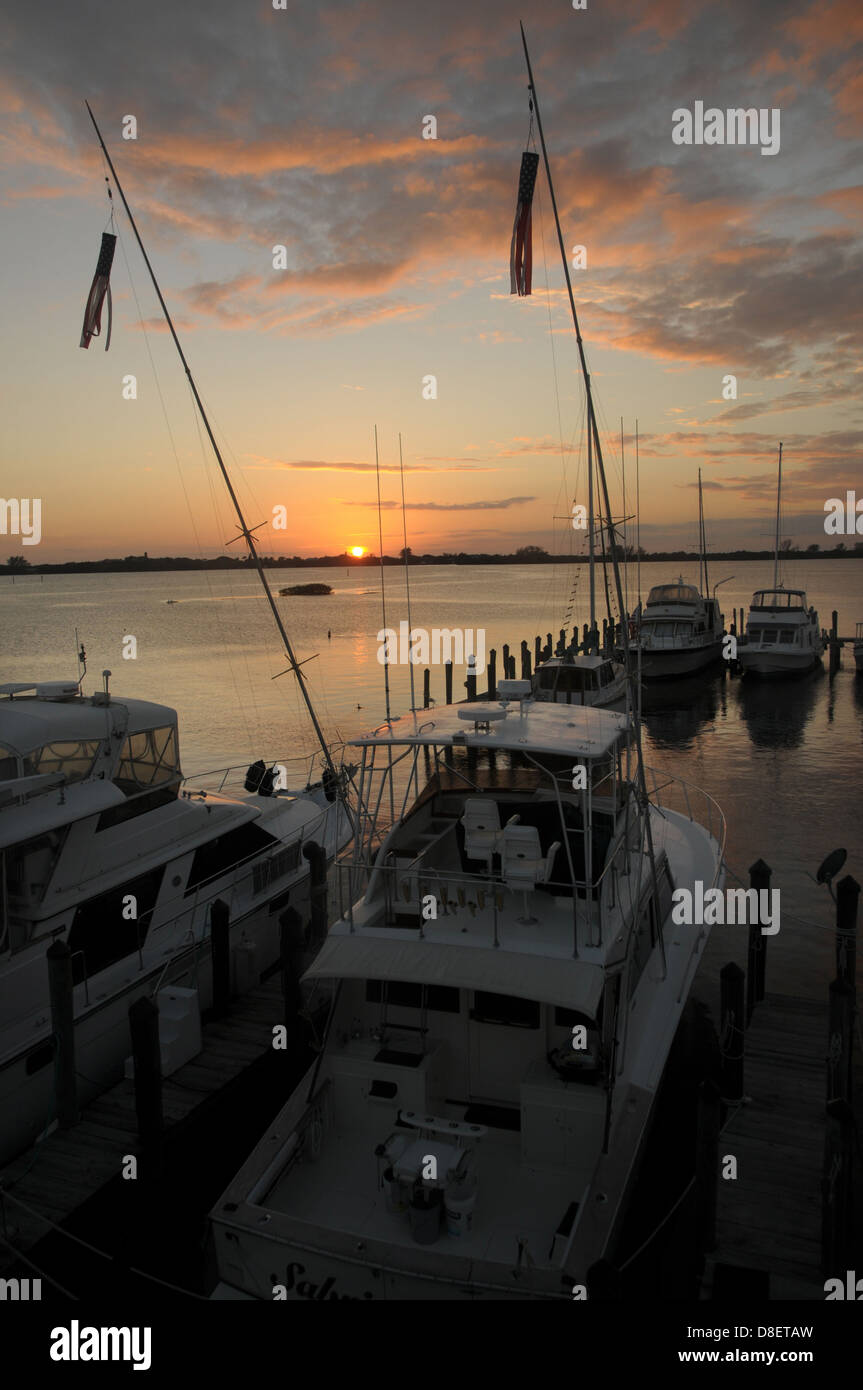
[769, 1219]
[71, 1165]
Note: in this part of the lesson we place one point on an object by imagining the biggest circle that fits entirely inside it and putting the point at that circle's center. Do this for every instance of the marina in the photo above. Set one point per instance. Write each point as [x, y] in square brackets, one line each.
[455, 896]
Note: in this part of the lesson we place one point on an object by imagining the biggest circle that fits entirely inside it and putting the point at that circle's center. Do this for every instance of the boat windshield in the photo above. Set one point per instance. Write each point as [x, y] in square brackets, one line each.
[148, 759]
[74, 758]
[673, 593]
[779, 599]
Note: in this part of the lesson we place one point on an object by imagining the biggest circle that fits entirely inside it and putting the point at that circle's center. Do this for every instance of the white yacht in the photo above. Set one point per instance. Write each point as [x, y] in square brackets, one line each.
[679, 632]
[506, 984]
[581, 680]
[783, 636]
[103, 847]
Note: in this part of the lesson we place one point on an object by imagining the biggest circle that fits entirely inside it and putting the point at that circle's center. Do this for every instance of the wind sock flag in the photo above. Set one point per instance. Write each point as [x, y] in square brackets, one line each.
[521, 252]
[99, 288]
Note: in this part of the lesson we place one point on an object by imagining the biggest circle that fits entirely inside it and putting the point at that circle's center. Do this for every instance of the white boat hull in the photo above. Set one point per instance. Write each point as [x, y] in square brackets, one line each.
[767, 662]
[659, 664]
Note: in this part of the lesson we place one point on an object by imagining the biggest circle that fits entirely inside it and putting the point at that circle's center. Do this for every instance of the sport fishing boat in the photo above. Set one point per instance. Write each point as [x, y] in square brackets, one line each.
[507, 986]
[783, 636]
[681, 628]
[505, 981]
[104, 847]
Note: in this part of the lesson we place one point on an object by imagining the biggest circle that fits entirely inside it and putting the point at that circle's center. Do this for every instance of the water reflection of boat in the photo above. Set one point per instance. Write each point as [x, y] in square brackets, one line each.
[675, 713]
[776, 716]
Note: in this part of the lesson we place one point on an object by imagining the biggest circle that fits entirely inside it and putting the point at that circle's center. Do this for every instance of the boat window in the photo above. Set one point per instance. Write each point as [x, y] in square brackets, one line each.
[673, 593]
[218, 856]
[442, 999]
[505, 1008]
[769, 635]
[787, 634]
[148, 759]
[137, 806]
[8, 763]
[30, 867]
[73, 757]
[566, 679]
[102, 931]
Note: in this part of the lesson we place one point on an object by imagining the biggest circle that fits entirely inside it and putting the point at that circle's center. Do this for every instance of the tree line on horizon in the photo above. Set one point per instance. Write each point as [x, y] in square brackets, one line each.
[526, 554]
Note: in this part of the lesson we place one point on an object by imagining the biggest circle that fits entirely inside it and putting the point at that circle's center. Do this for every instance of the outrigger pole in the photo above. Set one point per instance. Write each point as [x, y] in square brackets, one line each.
[597, 444]
[246, 533]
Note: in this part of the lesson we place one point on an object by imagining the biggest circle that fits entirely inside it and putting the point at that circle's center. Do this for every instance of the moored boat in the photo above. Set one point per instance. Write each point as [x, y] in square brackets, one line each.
[105, 849]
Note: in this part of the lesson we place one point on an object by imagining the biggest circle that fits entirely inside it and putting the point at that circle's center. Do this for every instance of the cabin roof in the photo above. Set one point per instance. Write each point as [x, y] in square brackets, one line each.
[541, 727]
[588, 663]
[568, 983]
[674, 593]
[28, 723]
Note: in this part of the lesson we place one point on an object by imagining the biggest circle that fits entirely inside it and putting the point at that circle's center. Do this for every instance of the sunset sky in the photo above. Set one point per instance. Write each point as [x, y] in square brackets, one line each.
[303, 127]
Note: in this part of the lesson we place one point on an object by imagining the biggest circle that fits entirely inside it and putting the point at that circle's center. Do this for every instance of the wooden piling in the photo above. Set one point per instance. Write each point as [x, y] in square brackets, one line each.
[835, 648]
[510, 668]
[759, 879]
[220, 947]
[470, 685]
[847, 894]
[427, 687]
[731, 1034]
[60, 988]
[840, 1041]
[447, 676]
[316, 856]
[525, 663]
[561, 644]
[492, 674]
[836, 1191]
[146, 1052]
[706, 1166]
[292, 942]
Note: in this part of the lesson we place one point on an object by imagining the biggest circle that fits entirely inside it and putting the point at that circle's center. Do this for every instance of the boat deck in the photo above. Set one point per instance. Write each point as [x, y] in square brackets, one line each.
[516, 1201]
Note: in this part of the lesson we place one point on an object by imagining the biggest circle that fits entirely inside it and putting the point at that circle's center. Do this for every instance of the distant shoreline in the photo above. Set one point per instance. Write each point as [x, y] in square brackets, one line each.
[141, 564]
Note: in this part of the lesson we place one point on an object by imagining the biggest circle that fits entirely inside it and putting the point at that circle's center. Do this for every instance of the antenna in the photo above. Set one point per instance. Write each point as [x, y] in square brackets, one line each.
[383, 586]
[244, 529]
[637, 520]
[407, 577]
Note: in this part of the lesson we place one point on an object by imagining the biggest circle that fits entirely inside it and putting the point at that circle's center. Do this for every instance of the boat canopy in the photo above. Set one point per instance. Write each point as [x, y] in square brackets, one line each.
[778, 599]
[579, 731]
[560, 980]
[673, 593]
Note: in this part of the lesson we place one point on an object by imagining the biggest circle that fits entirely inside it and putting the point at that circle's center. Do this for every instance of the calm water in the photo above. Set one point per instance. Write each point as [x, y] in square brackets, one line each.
[782, 759]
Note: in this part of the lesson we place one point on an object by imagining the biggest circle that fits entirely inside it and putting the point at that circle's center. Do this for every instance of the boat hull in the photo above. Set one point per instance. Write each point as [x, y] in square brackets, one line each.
[658, 664]
[777, 664]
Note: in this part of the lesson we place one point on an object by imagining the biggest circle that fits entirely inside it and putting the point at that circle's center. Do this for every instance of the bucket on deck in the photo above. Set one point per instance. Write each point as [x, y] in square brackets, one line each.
[426, 1212]
[460, 1203]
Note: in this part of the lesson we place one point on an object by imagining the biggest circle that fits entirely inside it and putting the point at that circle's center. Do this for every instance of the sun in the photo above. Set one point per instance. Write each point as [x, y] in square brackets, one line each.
[358, 551]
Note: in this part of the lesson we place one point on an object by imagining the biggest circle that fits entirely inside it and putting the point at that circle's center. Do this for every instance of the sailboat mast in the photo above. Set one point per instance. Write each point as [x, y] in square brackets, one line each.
[642, 780]
[247, 535]
[776, 541]
[706, 590]
[590, 522]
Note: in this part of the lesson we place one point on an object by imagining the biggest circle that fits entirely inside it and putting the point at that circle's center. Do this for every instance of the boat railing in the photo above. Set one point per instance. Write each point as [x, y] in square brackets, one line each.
[308, 767]
[405, 886]
[670, 793]
[673, 642]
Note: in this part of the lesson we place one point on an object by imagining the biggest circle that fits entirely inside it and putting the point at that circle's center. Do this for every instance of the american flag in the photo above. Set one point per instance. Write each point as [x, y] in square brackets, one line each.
[99, 288]
[520, 251]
